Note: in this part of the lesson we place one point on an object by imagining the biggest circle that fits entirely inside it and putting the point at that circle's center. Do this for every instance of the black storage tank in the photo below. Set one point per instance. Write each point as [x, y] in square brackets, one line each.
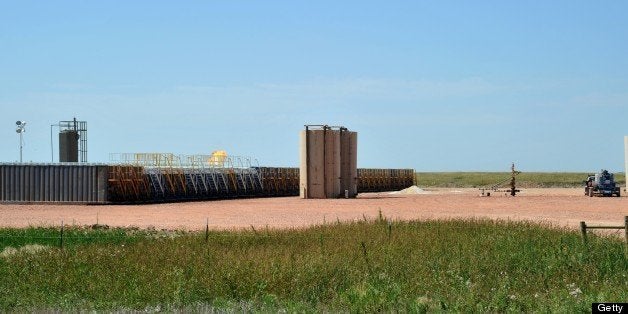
[68, 146]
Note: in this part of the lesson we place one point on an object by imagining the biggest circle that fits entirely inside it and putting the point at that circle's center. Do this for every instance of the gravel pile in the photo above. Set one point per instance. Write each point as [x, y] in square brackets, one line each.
[412, 190]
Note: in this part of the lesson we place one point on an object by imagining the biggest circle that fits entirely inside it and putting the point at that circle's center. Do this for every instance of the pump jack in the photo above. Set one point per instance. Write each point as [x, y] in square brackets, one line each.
[513, 184]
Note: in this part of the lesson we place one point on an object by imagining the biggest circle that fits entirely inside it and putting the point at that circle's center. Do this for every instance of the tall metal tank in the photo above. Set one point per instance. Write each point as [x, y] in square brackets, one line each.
[311, 174]
[321, 174]
[68, 146]
[626, 155]
[349, 163]
[332, 163]
[72, 141]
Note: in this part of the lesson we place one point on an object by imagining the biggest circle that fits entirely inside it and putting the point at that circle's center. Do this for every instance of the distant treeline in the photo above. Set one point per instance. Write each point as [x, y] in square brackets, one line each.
[524, 179]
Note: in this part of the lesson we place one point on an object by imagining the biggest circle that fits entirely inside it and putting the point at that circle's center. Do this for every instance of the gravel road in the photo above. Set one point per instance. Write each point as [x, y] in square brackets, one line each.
[561, 207]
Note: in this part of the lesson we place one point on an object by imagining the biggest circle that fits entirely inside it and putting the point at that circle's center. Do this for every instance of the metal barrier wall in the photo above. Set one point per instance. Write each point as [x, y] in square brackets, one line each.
[285, 181]
[139, 184]
[53, 183]
[126, 183]
[156, 184]
[158, 177]
[280, 181]
[380, 180]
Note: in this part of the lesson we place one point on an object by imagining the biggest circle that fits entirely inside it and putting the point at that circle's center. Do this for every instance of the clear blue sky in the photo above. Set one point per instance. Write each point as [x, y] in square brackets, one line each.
[435, 86]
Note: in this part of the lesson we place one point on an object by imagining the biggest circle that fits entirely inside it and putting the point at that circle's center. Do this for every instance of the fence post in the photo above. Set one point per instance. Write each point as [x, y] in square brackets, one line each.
[366, 258]
[626, 229]
[583, 229]
[207, 231]
[61, 238]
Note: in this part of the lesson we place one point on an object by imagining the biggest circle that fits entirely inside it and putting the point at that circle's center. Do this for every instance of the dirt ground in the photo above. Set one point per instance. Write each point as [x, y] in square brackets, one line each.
[560, 207]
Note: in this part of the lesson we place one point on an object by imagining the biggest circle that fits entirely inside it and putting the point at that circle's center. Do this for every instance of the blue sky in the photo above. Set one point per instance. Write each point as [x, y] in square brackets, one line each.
[435, 86]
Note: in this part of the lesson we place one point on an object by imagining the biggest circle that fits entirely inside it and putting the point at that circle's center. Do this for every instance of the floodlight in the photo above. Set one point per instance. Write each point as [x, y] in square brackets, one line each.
[21, 128]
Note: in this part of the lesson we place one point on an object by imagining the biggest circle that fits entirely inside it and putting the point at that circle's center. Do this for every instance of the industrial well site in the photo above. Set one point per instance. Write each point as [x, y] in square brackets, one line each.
[166, 191]
[313, 156]
[70, 207]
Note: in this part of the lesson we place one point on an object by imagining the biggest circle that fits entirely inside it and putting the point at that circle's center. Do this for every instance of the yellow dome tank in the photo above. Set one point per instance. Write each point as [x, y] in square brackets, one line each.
[218, 158]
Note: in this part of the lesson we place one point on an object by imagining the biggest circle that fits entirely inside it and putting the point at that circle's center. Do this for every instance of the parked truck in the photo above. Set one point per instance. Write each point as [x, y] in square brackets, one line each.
[601, 184]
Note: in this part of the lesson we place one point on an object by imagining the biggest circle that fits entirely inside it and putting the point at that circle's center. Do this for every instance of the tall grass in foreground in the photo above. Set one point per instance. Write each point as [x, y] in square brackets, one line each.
[73, 236]
[457, 265]
[524, 180]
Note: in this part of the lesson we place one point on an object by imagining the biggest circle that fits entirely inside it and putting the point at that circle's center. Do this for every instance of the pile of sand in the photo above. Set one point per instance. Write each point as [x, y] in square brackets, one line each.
[412, 190]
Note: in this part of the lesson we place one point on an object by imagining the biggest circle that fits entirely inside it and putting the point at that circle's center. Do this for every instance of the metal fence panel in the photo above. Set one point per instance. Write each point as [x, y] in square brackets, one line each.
[53, 183]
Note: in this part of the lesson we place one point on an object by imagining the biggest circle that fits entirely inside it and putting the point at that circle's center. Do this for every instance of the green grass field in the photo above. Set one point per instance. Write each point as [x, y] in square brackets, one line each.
[458, 265]
[524, 180]
[72, 236]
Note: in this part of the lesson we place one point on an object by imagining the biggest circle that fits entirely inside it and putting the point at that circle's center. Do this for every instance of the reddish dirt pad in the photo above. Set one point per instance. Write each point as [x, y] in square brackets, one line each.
[561, 207]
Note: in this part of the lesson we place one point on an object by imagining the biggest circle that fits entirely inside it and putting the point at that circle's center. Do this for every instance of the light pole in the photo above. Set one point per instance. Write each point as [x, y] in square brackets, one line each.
[21, 128]
[52, 148]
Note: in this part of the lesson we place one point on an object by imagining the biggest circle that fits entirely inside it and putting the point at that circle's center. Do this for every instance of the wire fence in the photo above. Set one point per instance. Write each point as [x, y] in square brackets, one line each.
[62, 237]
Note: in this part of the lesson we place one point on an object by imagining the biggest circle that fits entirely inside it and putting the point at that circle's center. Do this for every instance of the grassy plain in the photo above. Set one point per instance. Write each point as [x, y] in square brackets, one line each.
[524, 180]
[366, 266]
[71, 236]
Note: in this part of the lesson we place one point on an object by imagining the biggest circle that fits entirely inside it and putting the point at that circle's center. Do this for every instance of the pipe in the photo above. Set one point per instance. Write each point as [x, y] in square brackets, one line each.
[325, 160]
[307, 162]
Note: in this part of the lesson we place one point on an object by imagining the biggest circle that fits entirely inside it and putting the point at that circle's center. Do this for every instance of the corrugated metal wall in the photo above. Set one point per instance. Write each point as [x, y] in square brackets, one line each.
[277, 181]
[99, 184]
[53, 183]
[129, 184]
[285, 181]
[381, 180]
